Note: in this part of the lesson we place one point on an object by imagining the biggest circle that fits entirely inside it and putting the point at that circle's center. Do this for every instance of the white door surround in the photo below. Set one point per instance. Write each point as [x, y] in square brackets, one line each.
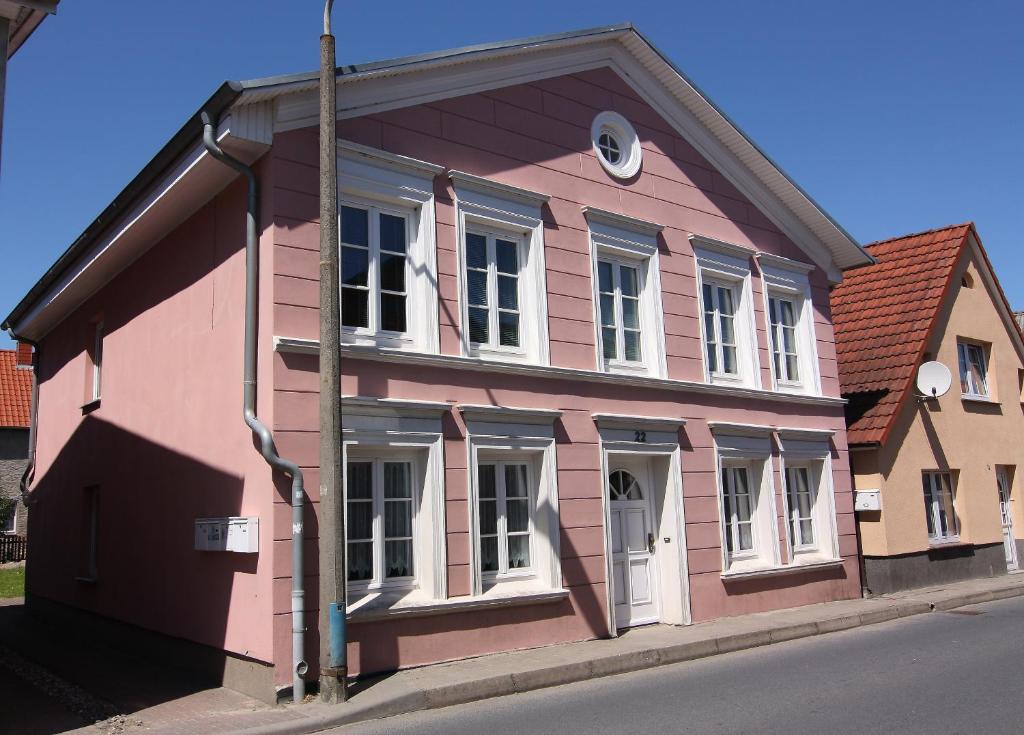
[651, 447]
[1006, 518]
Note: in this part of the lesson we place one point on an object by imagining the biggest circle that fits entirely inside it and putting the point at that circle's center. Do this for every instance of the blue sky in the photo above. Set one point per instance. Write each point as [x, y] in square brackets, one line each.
[895, 117]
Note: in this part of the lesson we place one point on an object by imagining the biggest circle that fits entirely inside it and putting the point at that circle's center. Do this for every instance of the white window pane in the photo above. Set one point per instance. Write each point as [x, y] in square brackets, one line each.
[359, 480]
[489, 554]
[630, 313]
[392, 312]
[631, 346]
[478, 328]
[607, 310]
[608, 343]
[746, 537]
[355, 226]
[486, 481]
[476, 282]
[392, 233]
[508, 329]
[355, 266]
[628, 281]
[397, 559]
[725, 305]
[605, 280]
[507, 256]
[518, 518]
[488, 517]
[397, 480]
[515, 481]
[476, 250]
[360, 561]
[729, 360]
[360, 520]
[508, 292]
[518, 552]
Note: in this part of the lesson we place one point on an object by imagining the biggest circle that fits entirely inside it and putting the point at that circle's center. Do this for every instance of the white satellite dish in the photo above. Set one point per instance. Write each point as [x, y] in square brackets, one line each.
[933, 379]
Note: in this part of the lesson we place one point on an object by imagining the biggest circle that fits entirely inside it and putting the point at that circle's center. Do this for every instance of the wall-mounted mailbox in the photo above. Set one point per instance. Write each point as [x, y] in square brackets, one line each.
[868, 500]
[228, 534]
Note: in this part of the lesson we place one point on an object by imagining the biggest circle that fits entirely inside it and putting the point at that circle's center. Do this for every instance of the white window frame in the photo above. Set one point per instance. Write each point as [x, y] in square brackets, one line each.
[933, 501]
[12, 522]
[825, 546]
[964, 349]
[497, 434]
[500, 459]
[505, 211]
[627, 241]
[789, 280]
[494, 308]
[96, 373]
[374, 331]
[725, 264]
[381, 427]
[369, 177]
[629, 148]
[378, 582]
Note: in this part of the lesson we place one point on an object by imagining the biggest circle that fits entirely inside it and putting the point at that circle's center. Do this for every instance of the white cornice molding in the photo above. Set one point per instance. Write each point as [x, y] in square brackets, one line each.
[497, 189]
[730, 428]
[369, 406]
[777, 261]
[626, 421]
[405, 164]
[511, 414]
[622, 221]
[407, 357]
[721, 246]
[789, 432]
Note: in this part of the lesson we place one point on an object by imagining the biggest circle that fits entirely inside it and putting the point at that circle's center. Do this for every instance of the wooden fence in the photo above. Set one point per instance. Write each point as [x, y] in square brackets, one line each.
[12, 548]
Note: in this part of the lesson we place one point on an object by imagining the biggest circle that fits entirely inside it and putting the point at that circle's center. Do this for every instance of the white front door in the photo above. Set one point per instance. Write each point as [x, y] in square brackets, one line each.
[634, 569]
[1006, 517]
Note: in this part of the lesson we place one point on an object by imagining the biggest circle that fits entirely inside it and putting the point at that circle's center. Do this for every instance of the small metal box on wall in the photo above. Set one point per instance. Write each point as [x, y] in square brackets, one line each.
[867, 500]
[239, 534]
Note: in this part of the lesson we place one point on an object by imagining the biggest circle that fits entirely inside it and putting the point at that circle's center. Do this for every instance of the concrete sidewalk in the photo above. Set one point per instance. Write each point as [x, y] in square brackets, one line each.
[508, 673]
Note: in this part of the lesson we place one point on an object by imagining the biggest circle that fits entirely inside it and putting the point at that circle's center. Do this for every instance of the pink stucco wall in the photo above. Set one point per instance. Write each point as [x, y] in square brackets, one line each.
[166, 445]
[537, 136]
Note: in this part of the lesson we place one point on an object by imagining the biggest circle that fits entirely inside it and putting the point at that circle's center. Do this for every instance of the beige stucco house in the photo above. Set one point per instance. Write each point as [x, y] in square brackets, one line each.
[938, 492]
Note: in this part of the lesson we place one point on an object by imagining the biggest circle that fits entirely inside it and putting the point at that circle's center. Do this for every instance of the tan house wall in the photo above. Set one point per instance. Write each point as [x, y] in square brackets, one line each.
[967, 437]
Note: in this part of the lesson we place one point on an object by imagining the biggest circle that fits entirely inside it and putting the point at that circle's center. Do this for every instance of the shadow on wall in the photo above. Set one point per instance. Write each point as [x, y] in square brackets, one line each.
[147, 572]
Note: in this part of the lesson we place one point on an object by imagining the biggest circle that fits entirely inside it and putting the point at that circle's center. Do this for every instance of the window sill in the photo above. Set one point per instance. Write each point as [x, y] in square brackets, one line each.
[415, 604]
[978, 399]
[90, 406]
[781, 570]
[948, 543]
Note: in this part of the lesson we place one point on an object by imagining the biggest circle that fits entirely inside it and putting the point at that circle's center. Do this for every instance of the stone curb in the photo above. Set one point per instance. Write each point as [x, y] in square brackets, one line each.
[621, 663]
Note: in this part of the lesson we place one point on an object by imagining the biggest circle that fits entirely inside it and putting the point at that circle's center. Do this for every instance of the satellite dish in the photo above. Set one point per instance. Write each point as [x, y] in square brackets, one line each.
[933, 379]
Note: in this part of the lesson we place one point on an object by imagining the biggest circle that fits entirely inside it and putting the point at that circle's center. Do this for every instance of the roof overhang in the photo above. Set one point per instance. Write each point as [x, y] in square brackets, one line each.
[152, 204]
[23, 17]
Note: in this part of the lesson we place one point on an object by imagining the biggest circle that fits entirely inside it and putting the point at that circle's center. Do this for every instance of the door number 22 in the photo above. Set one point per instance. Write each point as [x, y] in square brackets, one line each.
[640, 436]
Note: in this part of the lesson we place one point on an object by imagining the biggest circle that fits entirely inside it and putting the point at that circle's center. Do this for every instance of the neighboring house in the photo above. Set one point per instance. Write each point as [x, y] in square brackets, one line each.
[945, 469]
[15, 403]
[588, 367]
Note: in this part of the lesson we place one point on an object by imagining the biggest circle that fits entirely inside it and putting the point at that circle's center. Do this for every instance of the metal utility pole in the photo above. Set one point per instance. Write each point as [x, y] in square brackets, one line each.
[333, 603]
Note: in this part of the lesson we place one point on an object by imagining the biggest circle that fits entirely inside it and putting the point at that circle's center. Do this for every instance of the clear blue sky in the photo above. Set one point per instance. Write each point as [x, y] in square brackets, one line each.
[895, 116]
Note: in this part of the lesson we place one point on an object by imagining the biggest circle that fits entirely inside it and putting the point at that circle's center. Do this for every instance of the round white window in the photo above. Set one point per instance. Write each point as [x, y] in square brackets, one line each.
[616, 144]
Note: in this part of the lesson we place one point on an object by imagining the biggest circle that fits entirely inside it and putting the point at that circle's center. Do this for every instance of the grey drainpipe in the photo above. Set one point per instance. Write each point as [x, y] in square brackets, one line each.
[259, 429]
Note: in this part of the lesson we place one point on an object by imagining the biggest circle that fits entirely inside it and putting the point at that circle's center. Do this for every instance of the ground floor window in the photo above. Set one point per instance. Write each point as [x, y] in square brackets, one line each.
[506, 506]
[940, 511]
[738, 504]
[379, 511]
[801, 496]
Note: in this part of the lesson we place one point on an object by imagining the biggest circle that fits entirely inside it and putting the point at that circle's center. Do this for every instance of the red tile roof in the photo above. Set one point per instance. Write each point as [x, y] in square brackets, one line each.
[883, 315]
[15, 391]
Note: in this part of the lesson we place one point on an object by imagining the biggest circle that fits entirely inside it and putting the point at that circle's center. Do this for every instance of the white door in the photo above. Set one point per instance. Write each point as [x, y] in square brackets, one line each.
[1006, 517]
[634, 570]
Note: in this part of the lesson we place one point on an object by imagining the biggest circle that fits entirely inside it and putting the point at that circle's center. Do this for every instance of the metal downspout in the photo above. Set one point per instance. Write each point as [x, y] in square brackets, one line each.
[259, 429]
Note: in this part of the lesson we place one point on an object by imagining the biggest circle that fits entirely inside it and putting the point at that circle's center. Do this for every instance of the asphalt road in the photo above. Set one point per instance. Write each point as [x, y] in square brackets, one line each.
[953, 672]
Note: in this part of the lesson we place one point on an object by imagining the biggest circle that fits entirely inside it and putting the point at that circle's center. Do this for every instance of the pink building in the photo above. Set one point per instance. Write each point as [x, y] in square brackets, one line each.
[589, 374]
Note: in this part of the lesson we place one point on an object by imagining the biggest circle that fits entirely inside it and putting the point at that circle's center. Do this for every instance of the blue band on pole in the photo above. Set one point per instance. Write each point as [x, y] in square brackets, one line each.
[339, 635]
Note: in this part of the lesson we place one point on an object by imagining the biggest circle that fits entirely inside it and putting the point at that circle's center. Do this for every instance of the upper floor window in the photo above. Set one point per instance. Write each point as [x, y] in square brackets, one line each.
[503, 287]
[619, 307]
[629, 324]
[940, 512]
[973, 370]
[782, 316]
[388, 265]
[726, 312]
[492, 289]
[791, 337]
[720, 328]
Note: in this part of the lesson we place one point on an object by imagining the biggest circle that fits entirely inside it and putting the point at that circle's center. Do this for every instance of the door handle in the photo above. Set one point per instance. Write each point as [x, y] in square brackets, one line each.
[650, 543]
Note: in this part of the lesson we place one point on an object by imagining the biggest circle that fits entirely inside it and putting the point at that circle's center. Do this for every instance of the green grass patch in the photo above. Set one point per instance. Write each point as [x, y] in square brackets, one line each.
[12, 582]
